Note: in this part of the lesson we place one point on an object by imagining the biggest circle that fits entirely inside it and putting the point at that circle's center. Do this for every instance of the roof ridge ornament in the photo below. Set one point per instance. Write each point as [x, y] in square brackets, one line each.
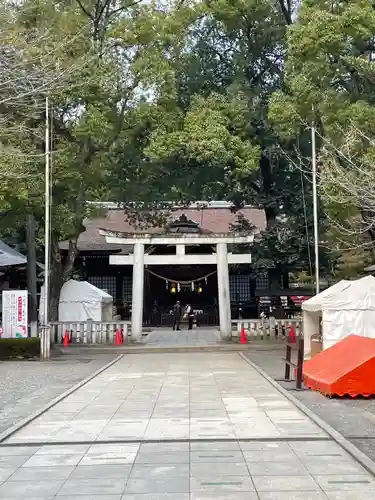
[183, 225]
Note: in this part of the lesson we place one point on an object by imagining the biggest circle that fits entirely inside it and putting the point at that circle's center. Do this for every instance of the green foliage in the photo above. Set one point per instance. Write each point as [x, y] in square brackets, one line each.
[190, 101]
[12, 348]
[206, 148]
[221, 144]
[103, 67]
[328, 62]
[349, 248]
[330, 78]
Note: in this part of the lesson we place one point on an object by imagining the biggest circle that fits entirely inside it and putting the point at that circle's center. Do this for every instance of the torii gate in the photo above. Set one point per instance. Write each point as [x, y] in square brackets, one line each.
[139, 259]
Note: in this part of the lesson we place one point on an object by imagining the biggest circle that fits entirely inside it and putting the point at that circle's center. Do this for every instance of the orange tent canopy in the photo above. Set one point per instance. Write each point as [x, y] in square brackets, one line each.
[347, 367]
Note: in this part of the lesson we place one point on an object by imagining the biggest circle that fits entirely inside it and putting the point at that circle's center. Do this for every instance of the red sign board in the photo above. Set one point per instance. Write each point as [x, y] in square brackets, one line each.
[20, 309]
[299, 299]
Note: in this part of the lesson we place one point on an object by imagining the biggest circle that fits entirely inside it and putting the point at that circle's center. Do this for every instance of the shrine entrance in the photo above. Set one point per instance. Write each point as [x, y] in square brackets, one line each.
[190, 285]
[183, 248]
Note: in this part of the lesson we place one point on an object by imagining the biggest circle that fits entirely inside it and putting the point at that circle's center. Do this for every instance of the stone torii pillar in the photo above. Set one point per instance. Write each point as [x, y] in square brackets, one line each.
[223, 289]
[137, 294]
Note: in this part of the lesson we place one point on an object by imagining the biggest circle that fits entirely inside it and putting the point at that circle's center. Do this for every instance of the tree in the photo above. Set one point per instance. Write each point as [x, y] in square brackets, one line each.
[27, 74]
[118, 54]
[233, 63]
[330, 80]
[207, 145]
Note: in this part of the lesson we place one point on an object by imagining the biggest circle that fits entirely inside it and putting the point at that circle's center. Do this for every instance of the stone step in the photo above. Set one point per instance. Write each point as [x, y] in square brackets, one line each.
[137, 349]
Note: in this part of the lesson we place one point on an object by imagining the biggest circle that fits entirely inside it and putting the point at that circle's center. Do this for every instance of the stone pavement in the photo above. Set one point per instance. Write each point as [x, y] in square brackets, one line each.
[353, 418]
[27, 386]
[197, 337]
[178, 427]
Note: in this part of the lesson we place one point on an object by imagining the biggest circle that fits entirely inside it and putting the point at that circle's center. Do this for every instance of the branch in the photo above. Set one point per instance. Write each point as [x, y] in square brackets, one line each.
[286, 9]
[84, 10]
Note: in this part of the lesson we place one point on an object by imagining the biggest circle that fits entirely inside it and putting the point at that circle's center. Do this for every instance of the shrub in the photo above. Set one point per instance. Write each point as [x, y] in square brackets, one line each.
[11, 348]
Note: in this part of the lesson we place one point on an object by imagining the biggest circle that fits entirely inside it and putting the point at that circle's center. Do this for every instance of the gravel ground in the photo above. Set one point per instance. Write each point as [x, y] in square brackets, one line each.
[26, 386]
[353, 418]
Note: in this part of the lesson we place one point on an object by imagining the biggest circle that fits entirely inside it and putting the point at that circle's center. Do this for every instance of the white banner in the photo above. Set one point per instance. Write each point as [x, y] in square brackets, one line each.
[15, 313]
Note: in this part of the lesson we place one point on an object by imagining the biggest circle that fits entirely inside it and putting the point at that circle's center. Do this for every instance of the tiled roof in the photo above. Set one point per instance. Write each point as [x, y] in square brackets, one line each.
[210, 220]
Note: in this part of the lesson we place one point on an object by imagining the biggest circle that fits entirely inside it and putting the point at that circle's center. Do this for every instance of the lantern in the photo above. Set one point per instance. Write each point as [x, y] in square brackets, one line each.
[199, 289]
[173, 289]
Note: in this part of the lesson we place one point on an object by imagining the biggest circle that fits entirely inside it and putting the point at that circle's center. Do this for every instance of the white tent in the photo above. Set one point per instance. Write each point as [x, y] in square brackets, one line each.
[351, 311]
[10, 257]
[80, 301]
[312, 311]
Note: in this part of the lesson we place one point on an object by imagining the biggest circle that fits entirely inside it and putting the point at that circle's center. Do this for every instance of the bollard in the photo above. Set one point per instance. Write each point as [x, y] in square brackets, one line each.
[299, 377]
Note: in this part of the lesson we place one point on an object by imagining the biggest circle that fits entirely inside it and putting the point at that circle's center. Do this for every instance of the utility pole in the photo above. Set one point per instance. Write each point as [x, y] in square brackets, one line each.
[45, 344]
[315, 208]
[31, 274]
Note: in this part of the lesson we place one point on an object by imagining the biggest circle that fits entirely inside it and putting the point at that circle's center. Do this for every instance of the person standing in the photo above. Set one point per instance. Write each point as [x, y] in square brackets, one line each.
[177, 311]
[240, 311]
[190, 315]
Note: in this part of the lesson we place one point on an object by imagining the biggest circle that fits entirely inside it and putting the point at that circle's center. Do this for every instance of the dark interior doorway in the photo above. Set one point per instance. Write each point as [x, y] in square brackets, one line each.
[163, 293]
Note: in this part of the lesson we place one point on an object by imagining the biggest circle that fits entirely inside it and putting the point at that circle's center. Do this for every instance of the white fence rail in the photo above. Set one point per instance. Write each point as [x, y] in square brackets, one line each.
[266, 329]
[103, 332]
[89, 332]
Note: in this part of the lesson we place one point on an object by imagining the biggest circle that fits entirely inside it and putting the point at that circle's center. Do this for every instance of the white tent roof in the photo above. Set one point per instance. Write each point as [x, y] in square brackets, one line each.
[315, 303]
[9, 256]
[360, 295]
[83, 291]
[80, 301]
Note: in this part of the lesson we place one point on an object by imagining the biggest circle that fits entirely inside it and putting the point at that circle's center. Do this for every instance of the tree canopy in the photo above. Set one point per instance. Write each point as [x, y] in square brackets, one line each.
[191, 100]
[222, 142]
[329, 80]
[98, 63]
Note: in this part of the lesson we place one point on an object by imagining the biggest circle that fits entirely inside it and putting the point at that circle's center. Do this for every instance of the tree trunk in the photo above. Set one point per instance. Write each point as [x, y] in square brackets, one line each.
[56, 283]
[31, 274]
[270, 217]
[274, 277]
[267, 181]
[61, 270]
[368, 216]
[286, 9]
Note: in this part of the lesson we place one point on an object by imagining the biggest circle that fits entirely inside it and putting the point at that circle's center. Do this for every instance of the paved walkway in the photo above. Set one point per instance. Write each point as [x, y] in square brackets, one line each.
[178, 427]
[353, 418]
[196, 337]
[26, 387]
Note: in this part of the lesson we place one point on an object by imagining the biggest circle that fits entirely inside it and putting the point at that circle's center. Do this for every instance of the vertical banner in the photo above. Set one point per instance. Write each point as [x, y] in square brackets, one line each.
[15, 313]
